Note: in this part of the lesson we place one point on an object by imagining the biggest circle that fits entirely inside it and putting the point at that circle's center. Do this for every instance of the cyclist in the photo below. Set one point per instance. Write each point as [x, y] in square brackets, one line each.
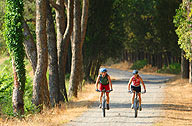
[104, 80]
[136, 87]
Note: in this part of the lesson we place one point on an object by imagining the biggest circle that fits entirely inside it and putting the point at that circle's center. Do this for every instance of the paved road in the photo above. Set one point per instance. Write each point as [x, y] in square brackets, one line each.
[120, 113]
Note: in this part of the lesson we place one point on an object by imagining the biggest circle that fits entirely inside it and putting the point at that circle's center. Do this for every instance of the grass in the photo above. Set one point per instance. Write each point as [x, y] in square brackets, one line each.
[177, 103]
[58, 115]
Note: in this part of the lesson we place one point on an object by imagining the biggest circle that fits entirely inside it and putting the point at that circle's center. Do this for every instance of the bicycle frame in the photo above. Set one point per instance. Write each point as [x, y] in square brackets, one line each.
[136, 102]
[104, 100]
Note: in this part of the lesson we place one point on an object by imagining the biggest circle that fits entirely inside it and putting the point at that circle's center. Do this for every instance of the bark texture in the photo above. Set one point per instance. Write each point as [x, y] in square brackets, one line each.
[84, 18]
[18, 92]
[40, 86]
[184, 66]
[76, 49]
[60, 24]
[30, 46]
[63, 49]
[52, 59]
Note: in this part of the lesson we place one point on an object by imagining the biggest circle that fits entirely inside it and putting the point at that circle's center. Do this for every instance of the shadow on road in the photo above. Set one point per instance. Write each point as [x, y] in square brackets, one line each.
[148, 81]
[156, 106]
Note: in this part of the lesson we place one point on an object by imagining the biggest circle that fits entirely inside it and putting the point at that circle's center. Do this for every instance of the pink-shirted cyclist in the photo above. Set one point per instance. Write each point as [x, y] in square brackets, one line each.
[136, 87]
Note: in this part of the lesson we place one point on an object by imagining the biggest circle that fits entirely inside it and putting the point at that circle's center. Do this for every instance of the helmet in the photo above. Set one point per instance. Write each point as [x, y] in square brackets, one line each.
[135, 72]
[103, 70]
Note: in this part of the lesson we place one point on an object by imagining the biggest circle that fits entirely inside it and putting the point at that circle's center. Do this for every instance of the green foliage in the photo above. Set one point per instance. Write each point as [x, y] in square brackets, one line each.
[6, 88]
[13, 34]
[174, 68]
[183, 22]
[139, 64]
[2, 12]
[101, 41]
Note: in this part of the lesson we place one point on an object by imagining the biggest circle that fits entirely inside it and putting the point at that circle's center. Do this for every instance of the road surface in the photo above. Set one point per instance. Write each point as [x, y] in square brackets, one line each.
[120, 113]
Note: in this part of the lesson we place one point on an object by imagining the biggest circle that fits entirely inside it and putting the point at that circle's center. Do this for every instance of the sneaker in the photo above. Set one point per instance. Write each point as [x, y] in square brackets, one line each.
[140, 108]
[100, 105]
[107, 106]
[131, 106]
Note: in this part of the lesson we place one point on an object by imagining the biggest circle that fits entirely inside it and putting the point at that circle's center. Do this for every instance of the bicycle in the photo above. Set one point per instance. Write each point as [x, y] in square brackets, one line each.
[104, 100]
[136, 102]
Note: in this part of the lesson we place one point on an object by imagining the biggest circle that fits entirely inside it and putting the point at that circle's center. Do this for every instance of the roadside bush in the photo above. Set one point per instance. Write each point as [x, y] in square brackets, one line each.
[174, 68]
[6, 89]
[139, 64]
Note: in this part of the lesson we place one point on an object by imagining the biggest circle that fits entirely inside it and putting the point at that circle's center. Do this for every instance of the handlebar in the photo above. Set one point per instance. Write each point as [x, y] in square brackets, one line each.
[135, 91]
[104, 90]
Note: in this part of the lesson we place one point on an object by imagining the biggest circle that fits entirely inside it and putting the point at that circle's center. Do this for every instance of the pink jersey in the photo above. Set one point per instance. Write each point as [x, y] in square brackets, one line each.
[136, 81]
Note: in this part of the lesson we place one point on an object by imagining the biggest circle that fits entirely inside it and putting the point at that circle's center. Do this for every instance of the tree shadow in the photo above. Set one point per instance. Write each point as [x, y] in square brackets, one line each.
[156, 106]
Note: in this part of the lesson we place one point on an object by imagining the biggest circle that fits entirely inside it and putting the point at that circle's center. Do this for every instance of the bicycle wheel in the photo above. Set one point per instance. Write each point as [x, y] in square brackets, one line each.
[136, 107]
[103, 107]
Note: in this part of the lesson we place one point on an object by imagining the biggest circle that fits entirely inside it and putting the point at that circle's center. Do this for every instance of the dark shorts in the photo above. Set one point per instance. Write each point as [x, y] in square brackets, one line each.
[137, 89]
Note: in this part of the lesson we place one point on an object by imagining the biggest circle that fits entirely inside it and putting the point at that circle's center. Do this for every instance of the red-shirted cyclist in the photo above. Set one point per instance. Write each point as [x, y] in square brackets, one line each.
[136, 87]
[105, 82]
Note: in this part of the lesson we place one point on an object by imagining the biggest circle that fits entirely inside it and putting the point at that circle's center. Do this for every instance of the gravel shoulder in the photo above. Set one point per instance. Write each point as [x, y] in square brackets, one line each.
[120, 113]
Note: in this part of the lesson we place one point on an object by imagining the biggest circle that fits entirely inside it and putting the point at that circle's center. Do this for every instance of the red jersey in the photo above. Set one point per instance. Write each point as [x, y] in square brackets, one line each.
[136, 81]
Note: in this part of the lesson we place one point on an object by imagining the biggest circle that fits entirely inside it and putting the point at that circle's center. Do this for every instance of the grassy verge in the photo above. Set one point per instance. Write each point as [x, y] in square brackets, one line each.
[177, 105]
[48, 117]
[57, 116]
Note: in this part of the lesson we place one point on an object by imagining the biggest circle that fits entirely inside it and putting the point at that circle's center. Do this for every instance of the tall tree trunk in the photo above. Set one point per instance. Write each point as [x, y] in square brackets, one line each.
[184, 66]
[60, 24]
[84, 18]
[39, 85]
[76, 49]
[18, 92]
[97, 69]
[63, 49]
[13, 24]
[30, 46]
[52, 57]
[87, 69]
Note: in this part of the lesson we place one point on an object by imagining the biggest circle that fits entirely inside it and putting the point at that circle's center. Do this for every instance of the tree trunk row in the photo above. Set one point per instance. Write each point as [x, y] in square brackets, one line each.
[158, 60]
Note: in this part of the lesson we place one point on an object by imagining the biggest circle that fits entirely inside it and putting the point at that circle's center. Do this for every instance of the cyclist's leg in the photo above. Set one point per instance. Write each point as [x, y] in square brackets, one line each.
[107, 94]
[140, 108]
[101, 95]
[139, 94]
[133, 97]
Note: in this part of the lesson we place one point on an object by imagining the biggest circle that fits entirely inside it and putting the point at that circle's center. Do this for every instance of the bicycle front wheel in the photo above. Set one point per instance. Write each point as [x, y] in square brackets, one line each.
[136, 108]
[103, 107]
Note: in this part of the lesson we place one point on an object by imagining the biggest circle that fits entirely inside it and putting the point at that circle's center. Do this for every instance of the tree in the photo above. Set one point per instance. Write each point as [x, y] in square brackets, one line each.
[78, 37]
[14, 40]
[60, 24]
[183, 22]
[63, 41]
[40, 87]
[76, 51]
[30, 47]
[53, 60]
[103, 38]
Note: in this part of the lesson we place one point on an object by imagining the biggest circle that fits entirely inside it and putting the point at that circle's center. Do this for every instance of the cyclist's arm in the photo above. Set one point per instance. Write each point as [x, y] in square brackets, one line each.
[97, 81]
[110, 82]
[142, 83]
[130, 81]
